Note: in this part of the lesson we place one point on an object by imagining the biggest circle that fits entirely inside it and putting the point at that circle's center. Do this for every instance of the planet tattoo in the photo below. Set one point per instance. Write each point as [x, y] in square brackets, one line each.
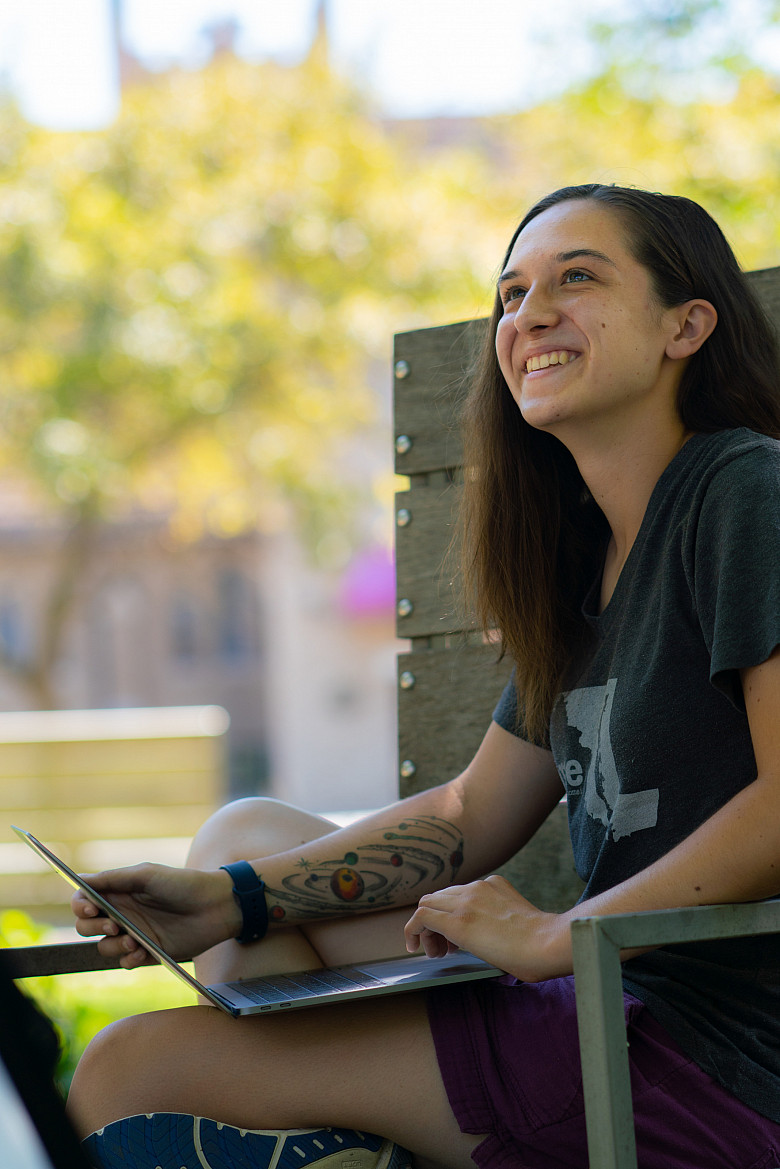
[347, 884]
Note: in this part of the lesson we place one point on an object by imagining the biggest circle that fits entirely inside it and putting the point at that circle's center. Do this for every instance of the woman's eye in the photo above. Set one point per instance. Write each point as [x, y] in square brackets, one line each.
[513, 294]
[575, 276]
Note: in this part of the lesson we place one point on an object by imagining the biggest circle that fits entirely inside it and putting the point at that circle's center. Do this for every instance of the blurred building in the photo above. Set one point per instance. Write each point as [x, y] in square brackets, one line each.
[303, 660]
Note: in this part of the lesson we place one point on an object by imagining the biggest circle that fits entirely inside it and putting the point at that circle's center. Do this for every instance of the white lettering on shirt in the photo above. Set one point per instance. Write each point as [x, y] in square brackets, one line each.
[588, 711]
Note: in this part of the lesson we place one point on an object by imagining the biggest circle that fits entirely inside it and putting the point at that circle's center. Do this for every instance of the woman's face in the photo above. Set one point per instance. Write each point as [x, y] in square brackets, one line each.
[582, 339]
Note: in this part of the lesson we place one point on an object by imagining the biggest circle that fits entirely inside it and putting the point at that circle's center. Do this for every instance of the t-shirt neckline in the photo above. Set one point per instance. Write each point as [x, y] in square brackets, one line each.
[590, 605]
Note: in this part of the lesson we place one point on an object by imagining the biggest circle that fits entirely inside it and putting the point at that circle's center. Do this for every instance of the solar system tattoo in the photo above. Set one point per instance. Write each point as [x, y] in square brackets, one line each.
[419, 850]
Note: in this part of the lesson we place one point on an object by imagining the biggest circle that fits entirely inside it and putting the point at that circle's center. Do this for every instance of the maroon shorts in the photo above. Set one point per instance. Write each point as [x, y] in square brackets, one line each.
[510, 1060]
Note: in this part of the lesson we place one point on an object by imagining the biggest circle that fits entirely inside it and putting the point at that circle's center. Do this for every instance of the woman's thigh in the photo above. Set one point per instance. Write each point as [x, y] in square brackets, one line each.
[370, 1066]
[251, 828]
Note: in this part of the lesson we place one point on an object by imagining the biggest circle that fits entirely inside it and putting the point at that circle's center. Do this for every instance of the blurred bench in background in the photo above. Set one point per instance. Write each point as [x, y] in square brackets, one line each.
[103, 788]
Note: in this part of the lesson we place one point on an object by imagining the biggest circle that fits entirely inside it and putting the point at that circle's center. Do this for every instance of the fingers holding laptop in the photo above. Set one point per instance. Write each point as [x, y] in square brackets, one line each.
[491, 920]
[185, 911]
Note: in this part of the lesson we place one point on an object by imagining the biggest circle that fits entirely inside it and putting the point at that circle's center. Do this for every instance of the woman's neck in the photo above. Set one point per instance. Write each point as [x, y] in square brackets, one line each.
[621, 473]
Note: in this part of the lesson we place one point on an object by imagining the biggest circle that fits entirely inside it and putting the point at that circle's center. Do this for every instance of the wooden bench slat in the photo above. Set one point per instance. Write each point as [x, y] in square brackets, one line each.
[69, 825]
[59, 958]
[427, 398]
[766, 283]
[61, 793]
[102, 757]
[421, 548]
[444, 715]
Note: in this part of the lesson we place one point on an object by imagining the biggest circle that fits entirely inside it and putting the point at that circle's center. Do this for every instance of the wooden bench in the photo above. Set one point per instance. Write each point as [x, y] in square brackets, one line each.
[102, 788]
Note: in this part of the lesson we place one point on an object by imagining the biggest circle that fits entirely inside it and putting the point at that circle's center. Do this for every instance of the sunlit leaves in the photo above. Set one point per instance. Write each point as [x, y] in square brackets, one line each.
[190, 300]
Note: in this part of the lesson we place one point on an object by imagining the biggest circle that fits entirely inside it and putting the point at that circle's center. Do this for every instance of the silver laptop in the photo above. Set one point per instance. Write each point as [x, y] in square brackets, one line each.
[309, 988]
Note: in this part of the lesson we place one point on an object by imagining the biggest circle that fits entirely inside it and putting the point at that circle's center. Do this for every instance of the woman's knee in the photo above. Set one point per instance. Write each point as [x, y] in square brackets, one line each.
[112, 1060]
[252, 827]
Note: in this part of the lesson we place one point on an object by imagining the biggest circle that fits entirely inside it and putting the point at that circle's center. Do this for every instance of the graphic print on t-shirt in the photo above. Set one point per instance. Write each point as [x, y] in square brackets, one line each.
[595, 778]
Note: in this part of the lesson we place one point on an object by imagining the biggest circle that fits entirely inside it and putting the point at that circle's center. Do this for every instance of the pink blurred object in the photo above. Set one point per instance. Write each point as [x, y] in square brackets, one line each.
[368, 584]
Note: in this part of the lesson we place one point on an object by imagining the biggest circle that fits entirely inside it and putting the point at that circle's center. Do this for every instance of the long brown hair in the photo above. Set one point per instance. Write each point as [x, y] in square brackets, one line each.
[532, 535]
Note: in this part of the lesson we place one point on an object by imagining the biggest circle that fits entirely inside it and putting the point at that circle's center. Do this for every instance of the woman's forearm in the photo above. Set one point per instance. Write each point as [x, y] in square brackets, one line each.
[734, 856]
[387, 859]
[731, 857]
[449, 834]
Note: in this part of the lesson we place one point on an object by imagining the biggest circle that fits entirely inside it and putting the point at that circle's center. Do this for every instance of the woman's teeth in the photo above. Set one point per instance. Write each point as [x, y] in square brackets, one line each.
[559, 357]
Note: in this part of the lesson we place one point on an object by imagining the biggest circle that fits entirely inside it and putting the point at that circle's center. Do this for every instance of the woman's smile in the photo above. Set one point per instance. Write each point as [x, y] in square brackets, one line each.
[541, 361]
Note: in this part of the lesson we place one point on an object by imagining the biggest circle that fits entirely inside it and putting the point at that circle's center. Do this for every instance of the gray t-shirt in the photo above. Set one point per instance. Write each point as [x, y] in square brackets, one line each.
[650, 737]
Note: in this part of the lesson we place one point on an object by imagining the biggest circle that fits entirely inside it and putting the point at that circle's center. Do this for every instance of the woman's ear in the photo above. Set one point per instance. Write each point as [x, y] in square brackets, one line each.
[692, 324]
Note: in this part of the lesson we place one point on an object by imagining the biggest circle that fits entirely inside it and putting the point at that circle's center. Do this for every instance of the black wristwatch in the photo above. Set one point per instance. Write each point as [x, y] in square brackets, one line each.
[249, 892]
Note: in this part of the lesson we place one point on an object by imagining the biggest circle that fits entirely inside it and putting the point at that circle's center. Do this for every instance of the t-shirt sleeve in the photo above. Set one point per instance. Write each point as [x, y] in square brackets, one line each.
[506, 715]
[737, 566]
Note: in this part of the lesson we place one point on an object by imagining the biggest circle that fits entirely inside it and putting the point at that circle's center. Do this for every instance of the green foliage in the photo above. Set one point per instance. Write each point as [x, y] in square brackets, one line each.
[724, 153]
[190, 300]
[80, 1005]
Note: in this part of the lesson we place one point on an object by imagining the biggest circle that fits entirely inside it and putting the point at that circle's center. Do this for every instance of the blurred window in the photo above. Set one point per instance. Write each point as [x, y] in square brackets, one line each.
[237, 622]
[11, 631]
[184, 630]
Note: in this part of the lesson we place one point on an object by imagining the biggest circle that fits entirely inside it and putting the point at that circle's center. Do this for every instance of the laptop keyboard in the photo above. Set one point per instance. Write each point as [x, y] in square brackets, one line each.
[277, 988]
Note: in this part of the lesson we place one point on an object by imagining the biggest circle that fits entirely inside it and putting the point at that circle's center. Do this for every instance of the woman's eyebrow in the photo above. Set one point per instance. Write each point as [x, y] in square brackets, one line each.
[561, 258]
[564, 257]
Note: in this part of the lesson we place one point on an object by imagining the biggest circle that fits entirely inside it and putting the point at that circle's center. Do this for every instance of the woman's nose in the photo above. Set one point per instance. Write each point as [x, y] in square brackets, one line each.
[536, 311]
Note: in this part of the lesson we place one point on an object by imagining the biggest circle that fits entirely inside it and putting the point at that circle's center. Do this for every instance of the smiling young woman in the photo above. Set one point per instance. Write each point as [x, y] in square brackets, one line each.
[532, 534]
[621, 530]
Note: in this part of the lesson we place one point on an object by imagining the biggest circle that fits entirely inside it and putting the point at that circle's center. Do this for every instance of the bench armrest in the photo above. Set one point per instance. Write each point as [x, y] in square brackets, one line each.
[61, 958]
[596, 943]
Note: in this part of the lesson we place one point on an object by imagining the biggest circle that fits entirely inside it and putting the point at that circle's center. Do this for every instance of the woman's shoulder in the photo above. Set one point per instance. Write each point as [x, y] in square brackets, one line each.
[725, 445]
[731, 491]
[729, 460]
[719, 483]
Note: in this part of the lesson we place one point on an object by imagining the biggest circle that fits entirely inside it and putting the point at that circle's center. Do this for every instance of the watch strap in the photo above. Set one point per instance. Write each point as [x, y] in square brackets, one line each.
[249, 892]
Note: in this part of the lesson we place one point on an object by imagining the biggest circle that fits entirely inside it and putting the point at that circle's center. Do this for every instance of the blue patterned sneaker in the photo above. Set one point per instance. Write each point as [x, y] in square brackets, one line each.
[171, 1140]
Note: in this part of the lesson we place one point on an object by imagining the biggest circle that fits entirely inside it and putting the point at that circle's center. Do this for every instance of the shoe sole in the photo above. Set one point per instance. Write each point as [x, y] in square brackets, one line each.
[177, 1141]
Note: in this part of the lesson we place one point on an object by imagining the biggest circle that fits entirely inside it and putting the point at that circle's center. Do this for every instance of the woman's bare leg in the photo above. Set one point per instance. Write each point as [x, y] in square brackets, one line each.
[255, 827]
[369, 1066]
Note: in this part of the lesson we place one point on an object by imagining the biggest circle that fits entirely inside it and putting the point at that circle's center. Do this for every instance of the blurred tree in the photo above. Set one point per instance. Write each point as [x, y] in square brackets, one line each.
[191, 300]
[723, 153]
[693, 47]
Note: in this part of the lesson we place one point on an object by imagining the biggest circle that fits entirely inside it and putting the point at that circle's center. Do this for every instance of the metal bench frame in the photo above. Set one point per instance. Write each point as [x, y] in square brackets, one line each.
[597, 942]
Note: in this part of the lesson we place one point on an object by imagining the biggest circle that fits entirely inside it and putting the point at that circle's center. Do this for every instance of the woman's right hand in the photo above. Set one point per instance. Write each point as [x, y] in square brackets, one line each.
[186, 911]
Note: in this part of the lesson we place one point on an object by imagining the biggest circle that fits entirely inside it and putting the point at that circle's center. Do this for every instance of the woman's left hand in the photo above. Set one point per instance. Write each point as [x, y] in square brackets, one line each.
[495, 922]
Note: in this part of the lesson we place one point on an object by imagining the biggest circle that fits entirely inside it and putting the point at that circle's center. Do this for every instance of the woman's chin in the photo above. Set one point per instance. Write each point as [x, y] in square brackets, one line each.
[543, 415]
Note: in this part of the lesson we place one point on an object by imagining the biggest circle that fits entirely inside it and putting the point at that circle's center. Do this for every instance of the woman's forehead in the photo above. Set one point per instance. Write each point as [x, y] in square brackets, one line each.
[578, 225]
